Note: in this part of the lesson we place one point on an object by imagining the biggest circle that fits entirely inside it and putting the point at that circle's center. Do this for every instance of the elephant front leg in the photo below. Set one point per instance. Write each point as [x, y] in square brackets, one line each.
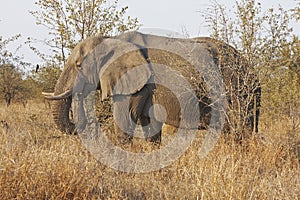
[124, 123]
[79, 113]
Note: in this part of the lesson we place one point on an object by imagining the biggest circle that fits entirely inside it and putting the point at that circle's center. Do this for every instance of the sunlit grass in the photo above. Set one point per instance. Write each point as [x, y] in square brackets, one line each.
[39, 162]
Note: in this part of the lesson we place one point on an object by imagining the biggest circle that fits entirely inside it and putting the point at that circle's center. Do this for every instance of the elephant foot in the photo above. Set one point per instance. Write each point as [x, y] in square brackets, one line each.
[80, 126]
[155, 139]
[124, 140]
[121, 137]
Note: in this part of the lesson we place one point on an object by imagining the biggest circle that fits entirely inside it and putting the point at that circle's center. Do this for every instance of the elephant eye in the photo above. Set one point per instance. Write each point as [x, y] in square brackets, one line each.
[78, 66]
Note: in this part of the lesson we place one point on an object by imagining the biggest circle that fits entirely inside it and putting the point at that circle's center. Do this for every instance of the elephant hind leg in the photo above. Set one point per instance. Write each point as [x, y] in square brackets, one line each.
[152, 129]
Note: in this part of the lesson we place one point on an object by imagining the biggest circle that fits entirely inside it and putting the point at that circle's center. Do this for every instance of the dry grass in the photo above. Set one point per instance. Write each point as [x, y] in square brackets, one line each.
[38, 162]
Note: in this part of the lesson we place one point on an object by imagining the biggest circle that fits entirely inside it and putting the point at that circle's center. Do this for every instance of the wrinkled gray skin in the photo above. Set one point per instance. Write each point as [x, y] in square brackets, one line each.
[135, 89]
[61, 107]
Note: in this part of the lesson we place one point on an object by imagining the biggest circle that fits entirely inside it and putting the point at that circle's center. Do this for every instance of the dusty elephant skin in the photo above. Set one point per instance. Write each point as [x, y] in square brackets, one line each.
[139, 74]
[65, 83]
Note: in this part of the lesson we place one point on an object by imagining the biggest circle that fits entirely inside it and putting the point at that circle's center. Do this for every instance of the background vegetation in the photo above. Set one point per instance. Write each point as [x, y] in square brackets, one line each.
[39, 162]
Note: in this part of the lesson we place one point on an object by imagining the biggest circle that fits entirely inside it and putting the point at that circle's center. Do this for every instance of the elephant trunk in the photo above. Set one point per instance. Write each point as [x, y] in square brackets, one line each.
[61, 110]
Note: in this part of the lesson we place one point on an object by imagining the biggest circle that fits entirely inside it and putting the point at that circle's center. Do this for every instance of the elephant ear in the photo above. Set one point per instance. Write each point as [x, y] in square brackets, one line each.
[125, 74]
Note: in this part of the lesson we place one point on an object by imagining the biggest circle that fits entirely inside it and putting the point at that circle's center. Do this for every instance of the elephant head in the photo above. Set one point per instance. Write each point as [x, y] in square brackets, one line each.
[63, 88]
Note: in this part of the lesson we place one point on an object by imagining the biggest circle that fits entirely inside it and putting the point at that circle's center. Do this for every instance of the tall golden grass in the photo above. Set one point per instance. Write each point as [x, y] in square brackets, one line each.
[39, 162]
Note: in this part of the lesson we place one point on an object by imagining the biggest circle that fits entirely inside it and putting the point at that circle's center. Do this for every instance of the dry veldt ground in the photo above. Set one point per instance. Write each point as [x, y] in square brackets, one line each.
[39, 162]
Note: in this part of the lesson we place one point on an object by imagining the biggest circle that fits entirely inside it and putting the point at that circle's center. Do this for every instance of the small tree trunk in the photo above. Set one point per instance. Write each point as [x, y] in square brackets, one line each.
[255, 115]
[8, 101]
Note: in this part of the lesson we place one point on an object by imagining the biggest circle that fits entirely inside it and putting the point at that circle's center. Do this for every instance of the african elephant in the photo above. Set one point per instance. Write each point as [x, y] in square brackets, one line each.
[152, 79]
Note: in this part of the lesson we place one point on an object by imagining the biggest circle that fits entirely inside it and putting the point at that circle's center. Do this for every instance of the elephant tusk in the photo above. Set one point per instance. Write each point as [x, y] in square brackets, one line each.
[48, 93]
[51, 96]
